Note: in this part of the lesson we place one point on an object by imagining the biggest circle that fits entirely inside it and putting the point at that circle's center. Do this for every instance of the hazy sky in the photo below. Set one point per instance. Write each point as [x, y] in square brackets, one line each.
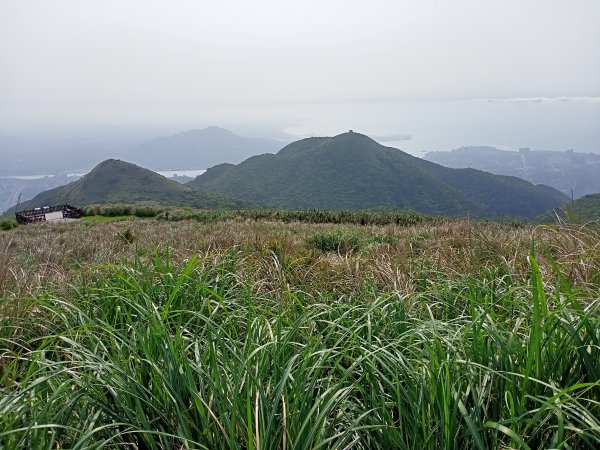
[68, 62]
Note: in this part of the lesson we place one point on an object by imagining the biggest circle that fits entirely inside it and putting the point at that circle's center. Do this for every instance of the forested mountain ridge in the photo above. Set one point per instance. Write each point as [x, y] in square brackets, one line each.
[352, 171]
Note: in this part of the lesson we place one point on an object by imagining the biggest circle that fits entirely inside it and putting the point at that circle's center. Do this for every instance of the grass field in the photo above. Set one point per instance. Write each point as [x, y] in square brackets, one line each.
[258, 334]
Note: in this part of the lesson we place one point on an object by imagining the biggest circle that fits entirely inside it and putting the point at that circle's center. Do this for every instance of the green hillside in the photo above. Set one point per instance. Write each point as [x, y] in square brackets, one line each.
[352, 171]
[570, 172]
[584, 209]
[114, 181]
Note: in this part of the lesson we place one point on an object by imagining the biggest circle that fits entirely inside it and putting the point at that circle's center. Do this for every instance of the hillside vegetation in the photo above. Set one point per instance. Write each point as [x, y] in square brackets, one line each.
[584, 209]
[569, 172]
[114, 181]
[261, 334]
[351, 171]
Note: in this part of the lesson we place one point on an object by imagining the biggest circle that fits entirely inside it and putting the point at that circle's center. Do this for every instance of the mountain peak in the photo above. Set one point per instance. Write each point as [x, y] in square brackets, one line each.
[110, 163]
[353, 136]
[116, 169]
[211, 131]
[349, 142]
[199, 149]
[216, 128]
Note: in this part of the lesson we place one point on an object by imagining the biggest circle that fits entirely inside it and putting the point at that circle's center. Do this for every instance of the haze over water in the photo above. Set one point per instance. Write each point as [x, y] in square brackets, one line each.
[509, 74]
[546, 124]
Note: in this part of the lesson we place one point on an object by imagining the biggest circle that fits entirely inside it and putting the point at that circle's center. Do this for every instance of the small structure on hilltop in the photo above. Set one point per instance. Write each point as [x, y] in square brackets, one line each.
[48, 213]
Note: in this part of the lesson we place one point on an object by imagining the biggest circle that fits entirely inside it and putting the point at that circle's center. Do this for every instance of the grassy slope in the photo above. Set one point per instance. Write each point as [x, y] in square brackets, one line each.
[245, 335]
[351, 171]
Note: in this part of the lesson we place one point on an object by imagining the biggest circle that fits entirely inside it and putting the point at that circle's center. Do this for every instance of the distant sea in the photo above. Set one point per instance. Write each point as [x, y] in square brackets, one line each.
[165, 173]
[28, 177]
[181, 173]
[416, 127]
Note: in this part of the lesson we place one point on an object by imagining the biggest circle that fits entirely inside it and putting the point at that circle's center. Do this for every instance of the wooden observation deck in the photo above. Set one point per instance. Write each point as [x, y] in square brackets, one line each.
[39, 214]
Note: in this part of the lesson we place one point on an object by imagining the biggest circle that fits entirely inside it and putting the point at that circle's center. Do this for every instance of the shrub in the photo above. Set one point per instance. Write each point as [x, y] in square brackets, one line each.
[127, 236]
[147, 211]
[89, 211]
[335, 241]
[115, 210]
[8, 224]
[107, 210]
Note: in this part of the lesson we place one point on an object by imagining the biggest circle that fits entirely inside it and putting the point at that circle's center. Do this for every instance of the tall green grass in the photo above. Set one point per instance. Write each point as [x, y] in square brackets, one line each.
[361, 217]
[155, 354]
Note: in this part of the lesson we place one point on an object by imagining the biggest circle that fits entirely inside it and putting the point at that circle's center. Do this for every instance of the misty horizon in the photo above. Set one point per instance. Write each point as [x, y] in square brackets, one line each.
[82, 82]
[447, 74]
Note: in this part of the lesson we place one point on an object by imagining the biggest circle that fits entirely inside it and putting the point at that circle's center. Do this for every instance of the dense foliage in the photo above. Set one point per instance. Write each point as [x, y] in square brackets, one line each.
[351, 171]
[7, 223]
[582, 210]
[114, 210]
[365, 217]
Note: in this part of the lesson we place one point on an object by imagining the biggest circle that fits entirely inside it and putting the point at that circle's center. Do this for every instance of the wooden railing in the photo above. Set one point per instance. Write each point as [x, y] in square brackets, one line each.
[39, 214]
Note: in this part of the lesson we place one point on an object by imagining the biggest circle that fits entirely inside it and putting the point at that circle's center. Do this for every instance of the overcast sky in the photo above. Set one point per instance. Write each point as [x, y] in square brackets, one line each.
[123, 60]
